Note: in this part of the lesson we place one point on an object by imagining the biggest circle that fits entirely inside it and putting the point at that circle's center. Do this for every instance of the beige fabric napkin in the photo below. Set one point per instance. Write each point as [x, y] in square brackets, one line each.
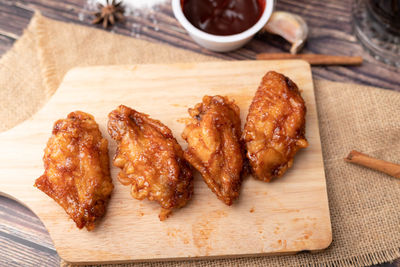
[364, 204]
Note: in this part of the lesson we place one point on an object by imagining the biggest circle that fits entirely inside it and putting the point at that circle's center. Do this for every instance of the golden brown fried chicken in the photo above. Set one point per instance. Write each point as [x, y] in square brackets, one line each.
[275, 127]
[151, 160]
[214, 146]
[77, 174]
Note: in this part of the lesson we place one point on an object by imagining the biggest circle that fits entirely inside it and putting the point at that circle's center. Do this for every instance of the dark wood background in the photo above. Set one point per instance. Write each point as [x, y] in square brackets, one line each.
[23, 239]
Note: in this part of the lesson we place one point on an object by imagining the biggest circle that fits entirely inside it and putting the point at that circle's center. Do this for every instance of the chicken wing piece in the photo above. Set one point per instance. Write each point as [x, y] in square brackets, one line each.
[151, 160]
[275, 127]
[214, 146]
[77, 173]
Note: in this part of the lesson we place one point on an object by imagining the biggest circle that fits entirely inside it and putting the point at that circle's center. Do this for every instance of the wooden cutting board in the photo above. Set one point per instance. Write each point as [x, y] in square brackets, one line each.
[288, 215]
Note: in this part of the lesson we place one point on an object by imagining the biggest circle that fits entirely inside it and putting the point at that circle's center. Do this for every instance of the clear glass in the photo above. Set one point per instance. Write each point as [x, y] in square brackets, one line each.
[377, 26]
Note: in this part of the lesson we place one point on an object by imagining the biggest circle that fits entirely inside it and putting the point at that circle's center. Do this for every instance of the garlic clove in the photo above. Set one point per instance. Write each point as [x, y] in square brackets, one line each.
[291, 27]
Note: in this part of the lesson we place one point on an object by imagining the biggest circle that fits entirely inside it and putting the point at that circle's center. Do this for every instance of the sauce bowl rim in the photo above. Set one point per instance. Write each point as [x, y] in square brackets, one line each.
[178, 12]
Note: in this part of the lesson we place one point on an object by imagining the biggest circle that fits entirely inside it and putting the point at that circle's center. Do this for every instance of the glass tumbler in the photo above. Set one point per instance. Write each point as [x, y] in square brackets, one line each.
[377, 26]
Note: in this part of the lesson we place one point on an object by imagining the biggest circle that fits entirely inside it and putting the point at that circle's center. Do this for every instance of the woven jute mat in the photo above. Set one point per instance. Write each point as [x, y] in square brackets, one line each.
[364, 204]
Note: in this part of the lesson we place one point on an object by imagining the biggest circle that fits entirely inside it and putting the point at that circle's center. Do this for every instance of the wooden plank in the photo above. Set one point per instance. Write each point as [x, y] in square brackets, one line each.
[24, 241]
[205, 227]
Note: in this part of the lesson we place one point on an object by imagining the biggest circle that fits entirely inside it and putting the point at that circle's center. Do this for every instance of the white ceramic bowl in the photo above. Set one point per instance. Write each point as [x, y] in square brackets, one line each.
[220, 43]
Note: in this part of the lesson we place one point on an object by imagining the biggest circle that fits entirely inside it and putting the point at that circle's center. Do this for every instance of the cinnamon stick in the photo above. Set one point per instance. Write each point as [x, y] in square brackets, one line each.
[389, 168]
[314, 59]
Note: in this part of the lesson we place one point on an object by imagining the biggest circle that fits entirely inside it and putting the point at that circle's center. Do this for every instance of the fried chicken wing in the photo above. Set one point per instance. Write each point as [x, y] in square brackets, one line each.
[214, 146]
[151, 160]
[77, 174]
[275, 127]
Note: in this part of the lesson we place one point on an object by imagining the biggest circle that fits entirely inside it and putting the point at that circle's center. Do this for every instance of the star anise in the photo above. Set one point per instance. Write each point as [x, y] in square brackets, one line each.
[109, 13]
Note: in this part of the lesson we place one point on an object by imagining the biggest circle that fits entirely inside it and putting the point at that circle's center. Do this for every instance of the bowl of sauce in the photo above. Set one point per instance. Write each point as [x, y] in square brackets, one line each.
[222, 25]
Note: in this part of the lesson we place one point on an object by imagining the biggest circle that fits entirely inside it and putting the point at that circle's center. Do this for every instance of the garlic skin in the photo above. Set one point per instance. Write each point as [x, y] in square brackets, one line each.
[291, 27]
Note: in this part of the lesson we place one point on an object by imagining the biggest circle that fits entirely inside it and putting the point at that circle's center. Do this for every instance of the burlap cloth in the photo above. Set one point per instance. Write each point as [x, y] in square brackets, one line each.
[364, 204]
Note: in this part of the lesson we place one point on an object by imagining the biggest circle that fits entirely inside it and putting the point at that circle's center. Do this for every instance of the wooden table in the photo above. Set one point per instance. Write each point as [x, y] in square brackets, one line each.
[23, 239]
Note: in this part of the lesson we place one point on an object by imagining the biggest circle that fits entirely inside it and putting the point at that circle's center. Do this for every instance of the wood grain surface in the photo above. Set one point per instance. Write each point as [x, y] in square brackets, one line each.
[205, 227]
[23, 239]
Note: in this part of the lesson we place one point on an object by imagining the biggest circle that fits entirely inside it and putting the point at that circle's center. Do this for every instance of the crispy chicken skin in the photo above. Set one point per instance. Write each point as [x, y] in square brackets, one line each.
[214, 146]
[77, 174]
[275, 127]
[151, 160]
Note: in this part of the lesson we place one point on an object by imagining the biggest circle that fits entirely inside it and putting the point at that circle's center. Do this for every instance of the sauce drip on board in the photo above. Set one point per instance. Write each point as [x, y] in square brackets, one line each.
[223, 17]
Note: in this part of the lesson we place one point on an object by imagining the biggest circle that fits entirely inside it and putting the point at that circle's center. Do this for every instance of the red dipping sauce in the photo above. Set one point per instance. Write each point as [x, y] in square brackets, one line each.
[223, 17]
